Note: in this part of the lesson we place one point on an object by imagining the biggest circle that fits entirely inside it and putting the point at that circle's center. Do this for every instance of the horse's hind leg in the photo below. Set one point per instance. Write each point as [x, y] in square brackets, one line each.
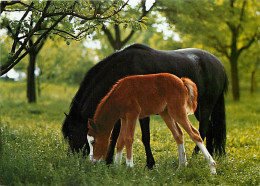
[145, 129]
[178, 136]
[205, 124]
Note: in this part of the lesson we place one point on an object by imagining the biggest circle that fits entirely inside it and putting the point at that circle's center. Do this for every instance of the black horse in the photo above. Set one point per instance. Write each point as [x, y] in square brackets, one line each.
[200, 66]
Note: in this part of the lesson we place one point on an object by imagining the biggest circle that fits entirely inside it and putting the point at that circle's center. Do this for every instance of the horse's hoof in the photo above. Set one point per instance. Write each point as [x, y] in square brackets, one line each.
[150, 165]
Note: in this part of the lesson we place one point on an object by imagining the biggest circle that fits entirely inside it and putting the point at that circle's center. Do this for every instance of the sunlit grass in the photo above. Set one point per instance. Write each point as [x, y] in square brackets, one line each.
[34, 152]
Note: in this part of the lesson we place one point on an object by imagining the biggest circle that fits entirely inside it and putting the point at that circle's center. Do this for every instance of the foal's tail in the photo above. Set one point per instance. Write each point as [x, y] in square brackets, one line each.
[192, 95]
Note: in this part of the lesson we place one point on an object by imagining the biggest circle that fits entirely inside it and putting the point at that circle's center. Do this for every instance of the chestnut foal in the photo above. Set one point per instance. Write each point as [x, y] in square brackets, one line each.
[139, 96]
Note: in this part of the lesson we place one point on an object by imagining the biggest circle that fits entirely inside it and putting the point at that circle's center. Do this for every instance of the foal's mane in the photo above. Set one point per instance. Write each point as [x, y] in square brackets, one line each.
[106, 98]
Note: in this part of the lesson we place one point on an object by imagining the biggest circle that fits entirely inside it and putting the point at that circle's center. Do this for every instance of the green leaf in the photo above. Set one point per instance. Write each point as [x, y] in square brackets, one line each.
[67, 42]
[142, 25]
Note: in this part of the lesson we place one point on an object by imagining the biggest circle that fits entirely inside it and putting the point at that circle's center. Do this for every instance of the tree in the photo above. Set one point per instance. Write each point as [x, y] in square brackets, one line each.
[115, 33]
[230, 27]
[68, 19]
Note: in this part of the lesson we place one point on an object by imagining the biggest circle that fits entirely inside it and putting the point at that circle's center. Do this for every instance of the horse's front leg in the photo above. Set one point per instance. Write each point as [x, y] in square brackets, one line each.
[145, 129]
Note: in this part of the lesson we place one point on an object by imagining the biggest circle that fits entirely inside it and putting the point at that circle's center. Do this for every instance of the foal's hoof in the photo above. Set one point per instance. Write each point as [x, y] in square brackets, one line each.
[185, 164]
[213, 168]
[213, 171]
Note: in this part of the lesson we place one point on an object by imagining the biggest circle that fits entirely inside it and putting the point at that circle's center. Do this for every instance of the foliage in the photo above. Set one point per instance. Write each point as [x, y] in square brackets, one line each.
[34, 152]
[229, 27]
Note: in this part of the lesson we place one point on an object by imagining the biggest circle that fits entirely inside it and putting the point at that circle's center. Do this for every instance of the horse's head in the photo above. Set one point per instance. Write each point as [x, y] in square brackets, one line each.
[98, 142]
[75, 130]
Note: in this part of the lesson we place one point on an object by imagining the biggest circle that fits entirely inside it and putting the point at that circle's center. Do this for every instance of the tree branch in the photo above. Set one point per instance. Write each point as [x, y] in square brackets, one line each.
[220, 47]
[6, 3]
[109, 35]
[85, 17]
[246, 46]
[15, 36]
[128, 37]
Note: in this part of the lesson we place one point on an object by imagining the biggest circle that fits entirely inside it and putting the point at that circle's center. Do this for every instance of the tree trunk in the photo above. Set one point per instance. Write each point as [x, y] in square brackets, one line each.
[235, 79]
[31, 91]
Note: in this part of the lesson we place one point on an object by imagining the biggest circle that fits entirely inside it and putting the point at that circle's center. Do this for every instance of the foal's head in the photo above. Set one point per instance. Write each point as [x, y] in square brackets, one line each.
[98, 141]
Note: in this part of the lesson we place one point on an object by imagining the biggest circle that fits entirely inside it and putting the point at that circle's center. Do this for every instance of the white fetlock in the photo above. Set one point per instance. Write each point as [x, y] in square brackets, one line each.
[182, 156]
[130, 162]
[208, 157]
[118, 158]
[213, 167]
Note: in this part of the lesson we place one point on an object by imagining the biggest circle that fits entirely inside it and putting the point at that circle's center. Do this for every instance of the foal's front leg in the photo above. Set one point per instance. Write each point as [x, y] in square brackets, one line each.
[120, 142]
[129, 138]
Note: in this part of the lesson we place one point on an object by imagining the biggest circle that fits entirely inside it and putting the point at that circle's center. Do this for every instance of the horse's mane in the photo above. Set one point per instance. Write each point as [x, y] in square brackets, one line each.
[76, 103]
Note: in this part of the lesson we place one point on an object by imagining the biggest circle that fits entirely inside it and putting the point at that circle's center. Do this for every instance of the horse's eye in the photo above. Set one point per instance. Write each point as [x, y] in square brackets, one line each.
[92, 142]
[70, 134]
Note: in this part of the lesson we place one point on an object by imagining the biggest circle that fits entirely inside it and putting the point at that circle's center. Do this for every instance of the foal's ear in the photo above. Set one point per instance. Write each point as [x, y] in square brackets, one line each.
[91, 125]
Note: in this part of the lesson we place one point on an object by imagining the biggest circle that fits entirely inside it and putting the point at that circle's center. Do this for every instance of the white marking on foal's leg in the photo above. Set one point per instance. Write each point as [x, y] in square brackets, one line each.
[118, 158]
[90, 140]
[182, 155]
[130, 162]
[208, 157]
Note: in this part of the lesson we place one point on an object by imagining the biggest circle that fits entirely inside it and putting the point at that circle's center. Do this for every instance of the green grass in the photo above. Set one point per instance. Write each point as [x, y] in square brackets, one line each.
[34, 153]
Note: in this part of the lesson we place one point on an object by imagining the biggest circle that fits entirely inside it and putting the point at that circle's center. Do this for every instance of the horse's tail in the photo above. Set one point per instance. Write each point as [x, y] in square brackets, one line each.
[218, 122]
[192, 95]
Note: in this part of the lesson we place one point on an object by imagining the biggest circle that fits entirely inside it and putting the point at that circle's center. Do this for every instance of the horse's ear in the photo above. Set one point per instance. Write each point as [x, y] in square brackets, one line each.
[91, 125]
[66, 114]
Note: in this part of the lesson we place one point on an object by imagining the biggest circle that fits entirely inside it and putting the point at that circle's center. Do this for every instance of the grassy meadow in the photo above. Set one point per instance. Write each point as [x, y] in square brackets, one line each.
[33, 151]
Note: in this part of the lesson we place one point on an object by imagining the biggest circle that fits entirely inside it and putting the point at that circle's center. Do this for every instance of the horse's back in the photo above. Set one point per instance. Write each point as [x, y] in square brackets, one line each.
[200, 66]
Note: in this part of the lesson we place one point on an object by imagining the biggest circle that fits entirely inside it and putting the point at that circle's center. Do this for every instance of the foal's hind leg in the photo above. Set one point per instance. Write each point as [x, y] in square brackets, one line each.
[178, 136]
[181, 117]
